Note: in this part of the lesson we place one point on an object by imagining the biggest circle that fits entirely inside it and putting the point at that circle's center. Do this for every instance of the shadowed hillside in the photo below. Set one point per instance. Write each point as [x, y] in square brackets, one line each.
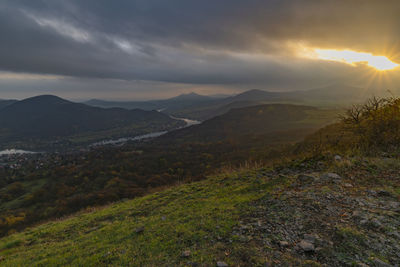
[49, 118]
[5, 103]
[276, 122]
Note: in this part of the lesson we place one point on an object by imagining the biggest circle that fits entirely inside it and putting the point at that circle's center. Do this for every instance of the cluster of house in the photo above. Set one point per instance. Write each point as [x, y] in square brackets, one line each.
[17, 161]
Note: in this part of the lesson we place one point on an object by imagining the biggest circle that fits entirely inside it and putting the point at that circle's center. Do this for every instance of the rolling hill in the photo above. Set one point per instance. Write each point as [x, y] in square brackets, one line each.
[307, 209]
[5, 103]
[175, 103]
[103, 174]
[275, 122]
[332, 96]
[52, 118]
[294, 215]
[199, 107]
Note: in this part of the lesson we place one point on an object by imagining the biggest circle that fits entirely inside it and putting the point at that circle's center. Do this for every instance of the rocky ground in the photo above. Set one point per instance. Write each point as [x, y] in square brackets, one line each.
[351, 218]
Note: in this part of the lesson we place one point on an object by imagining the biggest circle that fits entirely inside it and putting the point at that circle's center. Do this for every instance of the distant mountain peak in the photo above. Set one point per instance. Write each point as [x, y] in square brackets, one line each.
[45, 99]
[255, 95]
[189, 96]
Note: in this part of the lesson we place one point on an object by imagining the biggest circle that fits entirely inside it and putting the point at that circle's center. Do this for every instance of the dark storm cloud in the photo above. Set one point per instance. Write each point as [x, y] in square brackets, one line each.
[196, 42]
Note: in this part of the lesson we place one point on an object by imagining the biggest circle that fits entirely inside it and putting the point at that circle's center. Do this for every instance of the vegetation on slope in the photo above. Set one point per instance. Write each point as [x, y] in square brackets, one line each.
[367, 129]
[276, 123]
[55, 185]
[293, 215]
[335, 211]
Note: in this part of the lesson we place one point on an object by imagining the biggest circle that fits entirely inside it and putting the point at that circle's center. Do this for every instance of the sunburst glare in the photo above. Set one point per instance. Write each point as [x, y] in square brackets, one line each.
[381, 63]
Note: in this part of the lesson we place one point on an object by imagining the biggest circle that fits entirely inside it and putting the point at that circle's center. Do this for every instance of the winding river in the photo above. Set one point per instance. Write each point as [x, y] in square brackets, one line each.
[123, 140]
[118, 141]
[8, 152]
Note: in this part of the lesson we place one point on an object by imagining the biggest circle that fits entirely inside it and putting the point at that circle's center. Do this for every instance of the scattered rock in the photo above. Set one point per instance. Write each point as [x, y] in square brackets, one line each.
[221, 264]
[337, 158]
[163, 218]
[186, 254]
[139, 230]
[306, 246]
[300, 220]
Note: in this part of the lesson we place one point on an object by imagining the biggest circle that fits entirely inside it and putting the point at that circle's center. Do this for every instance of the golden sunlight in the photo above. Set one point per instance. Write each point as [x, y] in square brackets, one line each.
[351, 57]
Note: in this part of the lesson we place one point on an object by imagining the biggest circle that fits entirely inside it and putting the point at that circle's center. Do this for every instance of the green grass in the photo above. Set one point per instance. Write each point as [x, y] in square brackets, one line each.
[188, 217]
[31, 186]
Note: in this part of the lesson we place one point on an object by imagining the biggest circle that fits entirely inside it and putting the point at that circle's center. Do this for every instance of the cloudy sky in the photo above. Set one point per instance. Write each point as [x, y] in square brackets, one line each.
[142, 49]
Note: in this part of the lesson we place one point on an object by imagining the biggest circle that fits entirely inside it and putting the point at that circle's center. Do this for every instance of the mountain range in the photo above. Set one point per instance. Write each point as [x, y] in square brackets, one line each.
[52, 118]
[271, 122]
[201, 107]
[49, 117]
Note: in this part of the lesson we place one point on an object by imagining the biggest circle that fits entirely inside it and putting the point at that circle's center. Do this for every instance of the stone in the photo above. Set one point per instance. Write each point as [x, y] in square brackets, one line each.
[348, 185]
[283, 244]
[394, 205]
[379, 263]
[330, 176]
[337, 158]
[321, 164]
[384, 193]
[186, 254]
[395, 234]
[376, 223]
[221, 264]
[306, 246]
[310, 238]
[163, 218]
[139, 230]
[305, 179]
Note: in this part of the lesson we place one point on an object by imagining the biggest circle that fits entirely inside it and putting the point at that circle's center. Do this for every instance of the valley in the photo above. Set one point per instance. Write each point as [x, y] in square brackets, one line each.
[269, 157]
[95, 174]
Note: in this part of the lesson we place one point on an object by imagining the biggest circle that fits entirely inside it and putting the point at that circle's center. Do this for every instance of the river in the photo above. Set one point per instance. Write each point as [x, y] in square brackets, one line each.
[118, 141]
[8, 152]
[123, 140]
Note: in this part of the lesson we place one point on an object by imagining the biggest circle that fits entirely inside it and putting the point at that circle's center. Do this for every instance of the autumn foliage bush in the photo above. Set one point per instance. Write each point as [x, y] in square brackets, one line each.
[368, 129]
[375, 125]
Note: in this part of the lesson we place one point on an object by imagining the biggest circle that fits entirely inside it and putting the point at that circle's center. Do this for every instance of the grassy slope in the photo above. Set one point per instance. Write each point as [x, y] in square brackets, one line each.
[192, 212]
[200, 217]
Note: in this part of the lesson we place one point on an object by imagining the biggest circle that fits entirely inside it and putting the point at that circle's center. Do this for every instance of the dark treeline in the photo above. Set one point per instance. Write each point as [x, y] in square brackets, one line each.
[67, 183]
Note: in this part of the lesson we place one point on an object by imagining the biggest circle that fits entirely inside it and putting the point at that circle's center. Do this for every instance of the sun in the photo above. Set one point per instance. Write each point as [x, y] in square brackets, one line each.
[380, 63]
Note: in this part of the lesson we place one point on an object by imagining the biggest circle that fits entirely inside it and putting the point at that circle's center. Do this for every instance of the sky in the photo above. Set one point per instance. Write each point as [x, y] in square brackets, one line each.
[147, 49]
